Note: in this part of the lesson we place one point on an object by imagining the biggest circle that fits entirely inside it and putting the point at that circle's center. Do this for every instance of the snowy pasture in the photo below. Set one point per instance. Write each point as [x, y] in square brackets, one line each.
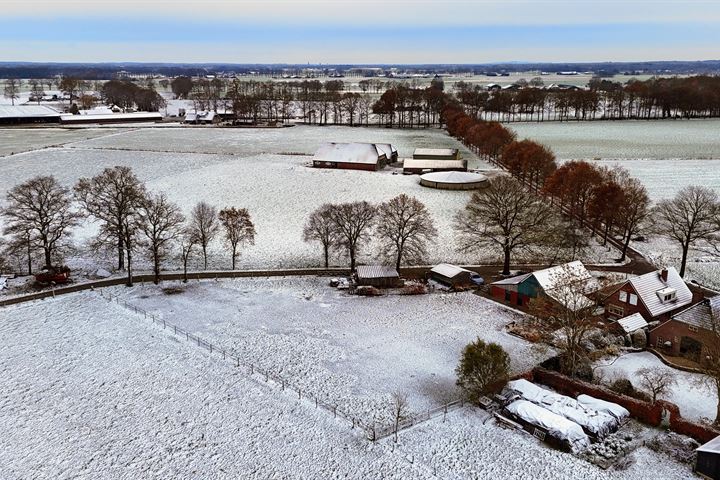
[695, 400]
[17, 140]
[93, 390]
[279, 190]
[353, 351]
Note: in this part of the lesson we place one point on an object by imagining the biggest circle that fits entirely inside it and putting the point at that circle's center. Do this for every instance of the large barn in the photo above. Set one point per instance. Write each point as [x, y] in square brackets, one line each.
[26, 114]
[436, 154]
[414, 165]
[351, 156]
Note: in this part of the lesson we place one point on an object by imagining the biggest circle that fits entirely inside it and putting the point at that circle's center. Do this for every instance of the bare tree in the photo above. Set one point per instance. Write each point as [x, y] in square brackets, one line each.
[634, 210]
[567, 308]
[406, 226]
[161, 222]
[687, 218]
[321, 228]
[400, 410]
[238, 227]
[205, 226]
[656, 381]
[12, 89]
[36, 90]
[353, 222]
[187, 242]
[39, 210]
[111, 197]
[504, 216]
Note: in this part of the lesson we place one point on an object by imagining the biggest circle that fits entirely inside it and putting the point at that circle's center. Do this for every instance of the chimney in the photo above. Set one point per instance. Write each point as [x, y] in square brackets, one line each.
[664, 274]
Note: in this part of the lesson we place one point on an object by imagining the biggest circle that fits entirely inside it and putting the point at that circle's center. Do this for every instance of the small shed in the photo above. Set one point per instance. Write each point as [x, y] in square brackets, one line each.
[454, 276]
[414, 165]
[389, 150]
[707, 462]
[632, 323]
[436, 154]
[379, 276]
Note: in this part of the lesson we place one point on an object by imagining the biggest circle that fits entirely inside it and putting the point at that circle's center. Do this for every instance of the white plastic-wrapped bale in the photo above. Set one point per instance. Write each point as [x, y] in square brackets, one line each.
[617, 411]
[596, 423]
[558, 427]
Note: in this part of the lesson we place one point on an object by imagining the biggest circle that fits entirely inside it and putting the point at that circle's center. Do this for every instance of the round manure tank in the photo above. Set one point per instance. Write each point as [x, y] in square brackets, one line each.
[454, 180]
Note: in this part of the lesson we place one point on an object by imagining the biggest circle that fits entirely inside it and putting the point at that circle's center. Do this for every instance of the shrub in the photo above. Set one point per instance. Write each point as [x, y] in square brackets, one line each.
[483, 367]
[413, 289]
[368, 291]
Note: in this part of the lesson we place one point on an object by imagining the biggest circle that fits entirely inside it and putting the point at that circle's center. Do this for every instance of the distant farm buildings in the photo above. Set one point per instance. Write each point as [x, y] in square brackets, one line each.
[353, 156]
[378, 276]
[436, 154]
[199, 118]
[414, 165]
[112, 118]
[454, 276]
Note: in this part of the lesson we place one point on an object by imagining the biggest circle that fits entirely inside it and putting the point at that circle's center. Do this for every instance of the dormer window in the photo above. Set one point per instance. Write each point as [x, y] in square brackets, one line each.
[667, 295]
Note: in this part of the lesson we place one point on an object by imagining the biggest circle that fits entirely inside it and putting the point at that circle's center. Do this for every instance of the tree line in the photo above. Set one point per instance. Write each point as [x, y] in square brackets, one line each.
[655, 98]
[40, 215]
[609, 201]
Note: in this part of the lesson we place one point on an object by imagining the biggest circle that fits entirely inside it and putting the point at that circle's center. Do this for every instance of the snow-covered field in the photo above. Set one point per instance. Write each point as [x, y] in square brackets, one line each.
[92, 390]
[694, 399]
[16, 140]
[247, 168]
[354, 351]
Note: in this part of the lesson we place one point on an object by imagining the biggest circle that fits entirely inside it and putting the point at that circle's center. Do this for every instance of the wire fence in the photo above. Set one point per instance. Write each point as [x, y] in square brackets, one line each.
[370, 429]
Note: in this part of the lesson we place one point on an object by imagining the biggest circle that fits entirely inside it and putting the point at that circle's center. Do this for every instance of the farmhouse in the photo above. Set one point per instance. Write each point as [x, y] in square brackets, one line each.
[454, 276]
[378, 276]
[436, 154]
[350, 156]
[707, 461]
[655, 295]
[25, 114]
[687, 332]
[551, 283]
[413, 165]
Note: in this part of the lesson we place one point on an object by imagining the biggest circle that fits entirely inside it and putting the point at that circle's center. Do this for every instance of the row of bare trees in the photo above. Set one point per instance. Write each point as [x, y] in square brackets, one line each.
[690, 97]
[40, 215]
[403, 225]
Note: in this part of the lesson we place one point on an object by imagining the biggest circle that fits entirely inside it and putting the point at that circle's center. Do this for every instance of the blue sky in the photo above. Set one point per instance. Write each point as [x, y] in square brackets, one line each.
[371, 31]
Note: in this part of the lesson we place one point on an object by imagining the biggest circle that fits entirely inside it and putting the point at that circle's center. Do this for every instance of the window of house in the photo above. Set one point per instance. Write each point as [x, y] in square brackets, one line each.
[507, 295]
[659, 342]
[623, 296]
[632, 299]
[692, 328]
[615, 310]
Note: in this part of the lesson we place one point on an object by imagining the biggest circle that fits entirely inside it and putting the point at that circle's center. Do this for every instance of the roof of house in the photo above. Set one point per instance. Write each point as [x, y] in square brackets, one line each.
[429, 163]
[713, 446]
[376, 271]
[647, 287]
[27, 111]
[632, 323]
[366, 153]
[448, 270]
[199, 116]
[439, 152]
[702, 314]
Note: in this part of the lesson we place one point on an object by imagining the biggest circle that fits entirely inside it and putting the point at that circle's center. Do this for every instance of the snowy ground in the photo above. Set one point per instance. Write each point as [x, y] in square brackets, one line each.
[280, 191]
[695, 400]
[16, 140]
[354, 351]
[91, 390]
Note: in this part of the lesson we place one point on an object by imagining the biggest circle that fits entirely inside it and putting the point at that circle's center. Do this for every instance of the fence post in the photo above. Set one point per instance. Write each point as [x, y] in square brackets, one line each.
[252, 369]
[175, 326]
[163, 323]
[187, 336]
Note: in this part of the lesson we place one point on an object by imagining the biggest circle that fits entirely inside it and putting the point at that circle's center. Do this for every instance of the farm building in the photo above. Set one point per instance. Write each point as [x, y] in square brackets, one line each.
[26, 114]
[390, 152]
[111, 118]
[655, 295]
[551, 283]
[199, 118]
[350, 156]
[686, 333]
[454, 180]
[436, 154]
[378, 276]
[414, 165]
[707, 461]
[454, 276]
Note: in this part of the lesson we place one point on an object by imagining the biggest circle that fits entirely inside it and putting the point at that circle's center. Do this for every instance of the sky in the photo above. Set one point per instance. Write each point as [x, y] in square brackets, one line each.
[358, 32]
